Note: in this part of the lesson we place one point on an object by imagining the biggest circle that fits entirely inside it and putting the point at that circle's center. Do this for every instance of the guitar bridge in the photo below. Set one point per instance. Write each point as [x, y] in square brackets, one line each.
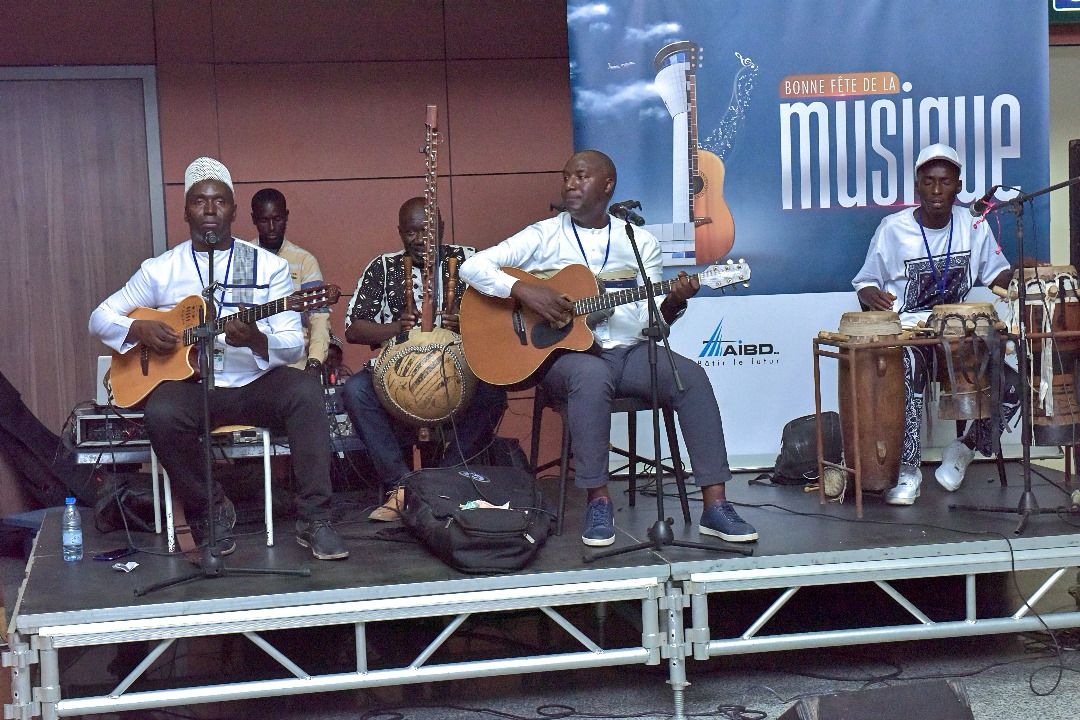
[144, 360]
[519, 326]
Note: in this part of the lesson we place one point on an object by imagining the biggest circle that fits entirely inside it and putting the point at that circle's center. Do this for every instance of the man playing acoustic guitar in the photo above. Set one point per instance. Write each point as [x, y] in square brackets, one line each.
[253, 385]
[587, 382]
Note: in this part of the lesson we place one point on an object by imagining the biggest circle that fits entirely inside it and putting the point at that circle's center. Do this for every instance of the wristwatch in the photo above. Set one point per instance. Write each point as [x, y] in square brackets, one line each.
[313, 364]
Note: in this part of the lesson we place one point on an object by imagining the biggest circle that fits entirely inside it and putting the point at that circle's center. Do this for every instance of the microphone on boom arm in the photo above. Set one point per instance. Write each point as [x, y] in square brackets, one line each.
[980, 206]
[625, 211]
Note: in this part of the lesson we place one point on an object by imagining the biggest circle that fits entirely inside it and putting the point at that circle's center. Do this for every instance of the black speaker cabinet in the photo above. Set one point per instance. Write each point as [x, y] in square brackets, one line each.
[937, 700]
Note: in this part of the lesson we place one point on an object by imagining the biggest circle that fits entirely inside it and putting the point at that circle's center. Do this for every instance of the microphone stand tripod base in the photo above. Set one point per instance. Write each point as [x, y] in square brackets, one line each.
[661, 536]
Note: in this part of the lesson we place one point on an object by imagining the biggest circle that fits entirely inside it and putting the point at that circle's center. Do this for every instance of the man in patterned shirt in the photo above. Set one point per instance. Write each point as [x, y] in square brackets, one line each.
[376, 314]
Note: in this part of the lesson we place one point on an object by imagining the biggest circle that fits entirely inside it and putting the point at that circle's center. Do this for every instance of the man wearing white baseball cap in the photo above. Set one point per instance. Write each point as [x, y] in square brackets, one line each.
[919, 258]
[253, 384]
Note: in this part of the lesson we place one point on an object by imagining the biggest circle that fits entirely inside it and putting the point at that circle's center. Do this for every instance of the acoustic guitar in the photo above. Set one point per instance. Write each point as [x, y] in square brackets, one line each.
[506, 342]
[134, 375]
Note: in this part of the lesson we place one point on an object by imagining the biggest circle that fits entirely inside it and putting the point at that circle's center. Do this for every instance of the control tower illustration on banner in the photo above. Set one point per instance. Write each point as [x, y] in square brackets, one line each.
[702, 228]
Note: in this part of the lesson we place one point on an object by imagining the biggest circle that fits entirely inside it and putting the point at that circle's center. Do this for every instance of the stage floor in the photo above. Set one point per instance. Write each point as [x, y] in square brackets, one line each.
[802, 543]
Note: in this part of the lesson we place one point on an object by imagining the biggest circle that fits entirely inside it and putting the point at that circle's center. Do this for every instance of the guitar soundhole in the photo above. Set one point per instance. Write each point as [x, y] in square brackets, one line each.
[698, 184]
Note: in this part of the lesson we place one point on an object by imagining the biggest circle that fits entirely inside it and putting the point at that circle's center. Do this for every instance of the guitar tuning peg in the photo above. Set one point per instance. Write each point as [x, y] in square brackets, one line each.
[741, 261]
[746, 285]
[730, 262]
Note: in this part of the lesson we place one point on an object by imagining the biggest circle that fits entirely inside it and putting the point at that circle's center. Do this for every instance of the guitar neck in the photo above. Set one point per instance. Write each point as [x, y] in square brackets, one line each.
[613, 299]
[692, 136]
[247, 315]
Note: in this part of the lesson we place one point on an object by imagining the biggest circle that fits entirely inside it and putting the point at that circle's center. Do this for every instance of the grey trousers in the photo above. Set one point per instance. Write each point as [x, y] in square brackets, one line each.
[587, 384]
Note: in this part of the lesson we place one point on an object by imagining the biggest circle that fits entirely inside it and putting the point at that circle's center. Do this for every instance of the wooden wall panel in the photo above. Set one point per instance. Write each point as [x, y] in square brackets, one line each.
[491, 208]
[276, 31]
[188, 116]
[184, 31]
[510, 116]
[327, 120]
[77, 32]
[486, 29]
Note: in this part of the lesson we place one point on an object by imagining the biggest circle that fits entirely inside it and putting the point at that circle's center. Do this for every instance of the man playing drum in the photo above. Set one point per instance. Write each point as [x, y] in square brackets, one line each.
[920, 258]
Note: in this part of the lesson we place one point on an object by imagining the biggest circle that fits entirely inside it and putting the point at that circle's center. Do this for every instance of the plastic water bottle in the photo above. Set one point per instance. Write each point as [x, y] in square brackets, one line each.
[71, 528]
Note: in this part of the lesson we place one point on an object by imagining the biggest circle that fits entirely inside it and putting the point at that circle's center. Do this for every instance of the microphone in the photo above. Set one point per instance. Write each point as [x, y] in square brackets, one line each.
[979, 207]
[625, 211]
[211, 238]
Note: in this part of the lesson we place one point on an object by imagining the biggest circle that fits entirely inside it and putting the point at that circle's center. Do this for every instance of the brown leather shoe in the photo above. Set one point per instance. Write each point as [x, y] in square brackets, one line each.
[390, 511]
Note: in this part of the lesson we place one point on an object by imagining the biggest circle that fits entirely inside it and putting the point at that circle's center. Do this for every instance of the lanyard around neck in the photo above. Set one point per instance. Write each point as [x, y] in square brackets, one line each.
[581, 247]
[940, 281]
[224, 283]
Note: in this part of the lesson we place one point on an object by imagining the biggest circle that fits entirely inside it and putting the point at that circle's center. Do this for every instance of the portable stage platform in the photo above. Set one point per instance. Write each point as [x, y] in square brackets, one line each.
[686, 604]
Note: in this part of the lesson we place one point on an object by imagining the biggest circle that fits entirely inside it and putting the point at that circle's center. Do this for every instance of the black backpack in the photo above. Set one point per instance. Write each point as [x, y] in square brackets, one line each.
[480, 539]
[797, 462]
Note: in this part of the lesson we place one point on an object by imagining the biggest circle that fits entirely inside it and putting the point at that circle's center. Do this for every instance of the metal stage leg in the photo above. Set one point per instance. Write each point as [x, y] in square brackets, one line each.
[674, 649]
[19, 657]
[48, 693]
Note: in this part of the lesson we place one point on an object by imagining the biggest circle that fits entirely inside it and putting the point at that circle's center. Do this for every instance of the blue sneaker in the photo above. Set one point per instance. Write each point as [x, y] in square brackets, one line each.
[721, 520]
[599, 523]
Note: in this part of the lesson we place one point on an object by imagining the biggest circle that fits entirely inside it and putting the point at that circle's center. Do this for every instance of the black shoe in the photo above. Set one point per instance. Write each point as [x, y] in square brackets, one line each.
[224, 516]
[323, 540]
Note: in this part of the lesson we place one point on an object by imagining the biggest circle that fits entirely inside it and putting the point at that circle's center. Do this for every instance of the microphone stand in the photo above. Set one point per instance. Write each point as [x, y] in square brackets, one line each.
[1028, 504]
[210, 564]
[660, 534]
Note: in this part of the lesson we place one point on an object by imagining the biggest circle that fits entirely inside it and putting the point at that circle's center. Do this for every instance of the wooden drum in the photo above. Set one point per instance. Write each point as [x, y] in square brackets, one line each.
[965, 392]
[1053, 304]
[879, 379]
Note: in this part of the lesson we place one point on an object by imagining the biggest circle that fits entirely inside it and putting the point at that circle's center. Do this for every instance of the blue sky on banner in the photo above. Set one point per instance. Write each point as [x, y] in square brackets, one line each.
[815, 112]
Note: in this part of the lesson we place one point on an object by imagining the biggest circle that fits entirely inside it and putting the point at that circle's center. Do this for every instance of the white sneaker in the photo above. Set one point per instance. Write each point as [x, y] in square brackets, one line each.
[907, 486]
[954, 462]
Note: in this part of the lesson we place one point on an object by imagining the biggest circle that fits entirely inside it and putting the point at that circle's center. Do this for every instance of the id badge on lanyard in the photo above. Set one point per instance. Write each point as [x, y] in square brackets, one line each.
[219, 359]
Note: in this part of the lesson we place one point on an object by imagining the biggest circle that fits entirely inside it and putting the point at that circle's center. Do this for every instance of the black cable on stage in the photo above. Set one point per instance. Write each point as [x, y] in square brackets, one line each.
[567, 712]
[1060, 666]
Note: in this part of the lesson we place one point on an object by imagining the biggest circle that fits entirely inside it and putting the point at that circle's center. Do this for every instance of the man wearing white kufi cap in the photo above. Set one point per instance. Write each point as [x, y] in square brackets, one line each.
[920, 258]
[253, 384]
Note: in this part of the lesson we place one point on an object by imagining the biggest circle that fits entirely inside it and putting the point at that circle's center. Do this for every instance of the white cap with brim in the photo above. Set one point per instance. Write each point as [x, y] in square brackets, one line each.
[206, 168]
[938, 151]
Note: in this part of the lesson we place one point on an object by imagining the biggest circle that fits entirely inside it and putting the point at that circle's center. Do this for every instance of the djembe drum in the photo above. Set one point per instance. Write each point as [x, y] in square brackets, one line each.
[878, 396]
[963, 359]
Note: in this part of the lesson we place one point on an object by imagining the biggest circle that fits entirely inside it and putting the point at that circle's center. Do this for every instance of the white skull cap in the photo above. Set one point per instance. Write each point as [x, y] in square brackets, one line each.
[206, 168]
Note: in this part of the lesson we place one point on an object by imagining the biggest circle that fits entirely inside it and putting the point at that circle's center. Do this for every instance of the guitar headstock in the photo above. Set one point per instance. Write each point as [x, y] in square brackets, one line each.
[722, 275]
[313, 297]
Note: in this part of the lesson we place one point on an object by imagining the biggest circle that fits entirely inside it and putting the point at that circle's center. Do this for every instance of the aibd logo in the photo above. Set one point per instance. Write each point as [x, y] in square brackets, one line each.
[716, 351]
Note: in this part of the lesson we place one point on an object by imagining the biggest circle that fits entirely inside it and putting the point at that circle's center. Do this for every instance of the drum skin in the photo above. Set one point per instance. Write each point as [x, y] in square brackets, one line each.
[879, 380]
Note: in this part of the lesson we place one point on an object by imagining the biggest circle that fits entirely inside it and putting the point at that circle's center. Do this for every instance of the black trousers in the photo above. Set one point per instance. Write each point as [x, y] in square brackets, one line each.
[283, 399]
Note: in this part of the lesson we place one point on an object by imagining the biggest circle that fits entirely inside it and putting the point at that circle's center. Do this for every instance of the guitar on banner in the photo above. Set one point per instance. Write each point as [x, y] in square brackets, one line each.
[505, 342]
[702, 228]
[134, 374]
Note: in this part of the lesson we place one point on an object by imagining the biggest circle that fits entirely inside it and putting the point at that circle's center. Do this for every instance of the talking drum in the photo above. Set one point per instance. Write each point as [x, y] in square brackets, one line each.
[879, 393]
[963, 359]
